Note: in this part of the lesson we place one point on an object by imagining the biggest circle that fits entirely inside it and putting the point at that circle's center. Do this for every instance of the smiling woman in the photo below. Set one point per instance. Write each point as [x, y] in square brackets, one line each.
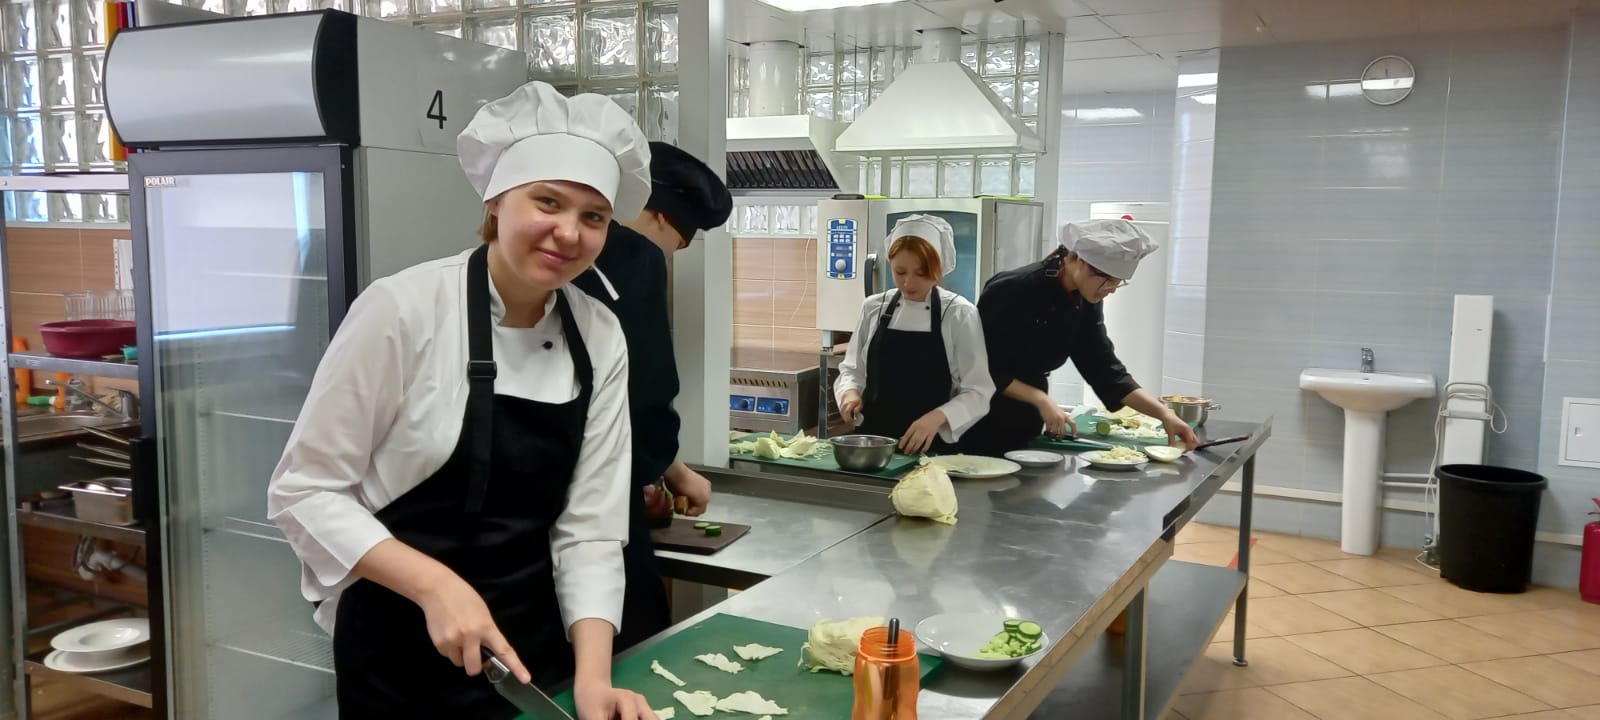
[457, 485]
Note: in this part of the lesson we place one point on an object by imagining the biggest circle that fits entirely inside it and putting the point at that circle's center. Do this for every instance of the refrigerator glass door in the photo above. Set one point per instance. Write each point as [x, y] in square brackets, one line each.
[239, 282]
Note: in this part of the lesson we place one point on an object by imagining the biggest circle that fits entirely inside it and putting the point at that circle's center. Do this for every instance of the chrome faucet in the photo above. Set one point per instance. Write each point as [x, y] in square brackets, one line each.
[128, 401]
[1366, 360]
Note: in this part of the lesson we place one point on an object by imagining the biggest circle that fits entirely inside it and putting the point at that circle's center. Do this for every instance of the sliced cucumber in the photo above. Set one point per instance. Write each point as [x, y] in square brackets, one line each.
[1030, 630]
[712, 530]
[1012, 625]
[701, 525]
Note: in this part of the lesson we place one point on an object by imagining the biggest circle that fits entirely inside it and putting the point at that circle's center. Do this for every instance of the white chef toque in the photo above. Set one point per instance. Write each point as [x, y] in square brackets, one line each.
[1113, 247]
[537, 134]
[933, 229]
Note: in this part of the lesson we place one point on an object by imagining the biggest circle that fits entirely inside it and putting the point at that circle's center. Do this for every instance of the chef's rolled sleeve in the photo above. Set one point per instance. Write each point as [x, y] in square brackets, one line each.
[313, 495]
[587, 539]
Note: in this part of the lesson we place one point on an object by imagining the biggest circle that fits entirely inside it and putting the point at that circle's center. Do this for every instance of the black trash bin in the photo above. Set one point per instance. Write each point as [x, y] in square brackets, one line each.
[1488, 517]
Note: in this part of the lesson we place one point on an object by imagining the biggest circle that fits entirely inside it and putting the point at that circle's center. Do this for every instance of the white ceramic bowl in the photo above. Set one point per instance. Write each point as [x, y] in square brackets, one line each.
[959, 637]
[1163, 453]
[1098, 460]
[104, 636]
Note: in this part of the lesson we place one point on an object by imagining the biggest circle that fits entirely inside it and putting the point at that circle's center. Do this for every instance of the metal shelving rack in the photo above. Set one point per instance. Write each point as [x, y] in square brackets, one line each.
[132, 685]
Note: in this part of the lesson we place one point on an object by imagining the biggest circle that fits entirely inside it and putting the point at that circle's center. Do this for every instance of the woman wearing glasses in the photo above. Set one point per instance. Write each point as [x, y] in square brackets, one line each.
[1038, 316]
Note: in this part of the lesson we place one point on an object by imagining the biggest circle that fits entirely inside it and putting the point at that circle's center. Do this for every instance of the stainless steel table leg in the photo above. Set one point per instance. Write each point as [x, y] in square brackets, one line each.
[1133, 659]
[1242, 606]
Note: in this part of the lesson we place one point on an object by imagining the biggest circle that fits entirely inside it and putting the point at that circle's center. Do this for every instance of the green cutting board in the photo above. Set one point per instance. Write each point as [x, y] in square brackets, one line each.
[778, 678]
[898, 464]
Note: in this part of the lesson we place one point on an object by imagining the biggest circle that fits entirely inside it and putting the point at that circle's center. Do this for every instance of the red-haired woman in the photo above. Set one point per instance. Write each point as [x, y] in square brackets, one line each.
[916, 368]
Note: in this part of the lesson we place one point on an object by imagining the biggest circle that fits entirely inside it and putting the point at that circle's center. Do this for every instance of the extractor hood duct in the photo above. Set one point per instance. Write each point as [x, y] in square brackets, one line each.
[937, 105]
[778, 148]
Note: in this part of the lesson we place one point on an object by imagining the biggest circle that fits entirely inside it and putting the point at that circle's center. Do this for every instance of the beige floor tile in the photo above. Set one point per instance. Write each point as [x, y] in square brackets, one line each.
[1589, 712]
[1553, 682]
[1262, 557]
[1371, 608]
[1542, 715]
[1273, 661]
[1403, 556]
[1587, 660]
[1252, 631]
[1301, 548]
[1201, 532]
[1453, 641]
[1536, 630]
[1584, 616]
[1352, 698]
[1173, 715]
[1290, 615]
[1451, 601]
[1262, 588]
[1365, 651]
[1457, 693]
[1216, 554]
[1372, 572]
[1550, 598]
[1246, 704]
[1301, 578]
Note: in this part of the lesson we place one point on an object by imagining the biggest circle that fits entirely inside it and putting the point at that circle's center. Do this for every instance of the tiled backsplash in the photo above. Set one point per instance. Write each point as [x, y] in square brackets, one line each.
[1338, 224]
[46, 263]
[775, 294]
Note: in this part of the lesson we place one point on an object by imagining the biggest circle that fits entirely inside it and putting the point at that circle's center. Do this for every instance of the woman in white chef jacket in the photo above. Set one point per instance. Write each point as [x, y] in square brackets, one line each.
[457, 482]
[916, 368]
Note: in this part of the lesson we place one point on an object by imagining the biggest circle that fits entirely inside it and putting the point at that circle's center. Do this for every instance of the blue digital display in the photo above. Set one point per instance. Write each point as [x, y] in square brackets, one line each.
[842, 248]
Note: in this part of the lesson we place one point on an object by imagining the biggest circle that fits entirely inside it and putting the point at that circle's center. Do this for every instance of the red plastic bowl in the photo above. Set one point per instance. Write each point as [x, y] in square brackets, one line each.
[88, 338]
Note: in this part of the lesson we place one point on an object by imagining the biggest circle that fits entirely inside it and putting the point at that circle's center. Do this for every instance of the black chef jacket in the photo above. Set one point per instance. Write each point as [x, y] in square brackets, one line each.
[1031, 326]
[637, 270]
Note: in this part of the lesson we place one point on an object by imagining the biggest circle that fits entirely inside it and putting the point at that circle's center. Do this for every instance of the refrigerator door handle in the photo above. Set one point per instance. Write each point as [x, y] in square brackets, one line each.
[143, 455]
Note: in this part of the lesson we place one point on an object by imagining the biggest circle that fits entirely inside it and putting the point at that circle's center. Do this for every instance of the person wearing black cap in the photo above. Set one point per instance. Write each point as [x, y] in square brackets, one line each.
[630, 277]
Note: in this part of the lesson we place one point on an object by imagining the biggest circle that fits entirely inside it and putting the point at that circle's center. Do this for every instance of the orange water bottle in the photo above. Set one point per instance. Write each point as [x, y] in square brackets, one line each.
[888, 676]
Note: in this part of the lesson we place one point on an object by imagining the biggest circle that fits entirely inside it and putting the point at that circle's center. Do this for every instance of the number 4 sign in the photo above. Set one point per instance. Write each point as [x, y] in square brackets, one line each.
[436, 109]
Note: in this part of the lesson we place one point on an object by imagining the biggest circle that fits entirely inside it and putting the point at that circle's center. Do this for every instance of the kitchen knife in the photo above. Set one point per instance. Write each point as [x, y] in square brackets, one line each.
[525, 696]
[1223, 441]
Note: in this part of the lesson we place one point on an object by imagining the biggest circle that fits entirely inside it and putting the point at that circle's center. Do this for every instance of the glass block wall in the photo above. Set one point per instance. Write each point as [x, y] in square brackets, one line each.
[839, 85]
[53, 50]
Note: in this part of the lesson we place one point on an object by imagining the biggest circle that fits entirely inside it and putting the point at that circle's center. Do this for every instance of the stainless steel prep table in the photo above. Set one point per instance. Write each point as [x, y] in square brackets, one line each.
[1068, 547]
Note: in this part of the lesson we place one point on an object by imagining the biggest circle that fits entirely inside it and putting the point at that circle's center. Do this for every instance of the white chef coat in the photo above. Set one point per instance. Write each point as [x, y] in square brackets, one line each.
[385, 411]
[963, 349]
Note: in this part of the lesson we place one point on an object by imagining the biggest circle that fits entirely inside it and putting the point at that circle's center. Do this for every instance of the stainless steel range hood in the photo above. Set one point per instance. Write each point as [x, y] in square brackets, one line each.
[937, 105]
[788, 152]
[779, 149]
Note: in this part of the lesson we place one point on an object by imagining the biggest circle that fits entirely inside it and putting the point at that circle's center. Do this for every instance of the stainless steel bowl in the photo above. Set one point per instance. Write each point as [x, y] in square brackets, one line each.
[1192, 410]
[863, 453]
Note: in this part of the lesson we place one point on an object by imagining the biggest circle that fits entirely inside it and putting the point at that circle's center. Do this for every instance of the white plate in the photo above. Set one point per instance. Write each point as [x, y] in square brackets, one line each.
[1164, 453]
[102, 636]
[1093, 457]
[975, 467]
[959, 636]
[1034, 458]
[75, 663]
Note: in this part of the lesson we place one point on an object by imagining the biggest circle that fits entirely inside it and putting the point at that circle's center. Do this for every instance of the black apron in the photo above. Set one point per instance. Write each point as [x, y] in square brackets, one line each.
[486, 514]
[908, 375]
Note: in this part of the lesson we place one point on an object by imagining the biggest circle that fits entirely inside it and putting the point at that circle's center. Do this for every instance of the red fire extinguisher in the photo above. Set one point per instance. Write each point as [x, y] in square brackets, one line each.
[1589, 574]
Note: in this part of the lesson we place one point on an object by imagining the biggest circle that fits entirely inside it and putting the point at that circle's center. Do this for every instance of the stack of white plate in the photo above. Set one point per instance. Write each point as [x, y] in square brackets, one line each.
[101, 646]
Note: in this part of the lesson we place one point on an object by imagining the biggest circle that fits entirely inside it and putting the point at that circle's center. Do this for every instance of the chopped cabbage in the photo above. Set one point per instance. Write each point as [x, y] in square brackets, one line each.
[666, 713]
[767, 448]
[655, 667]
[699, 703]
[801, 447]
[926, 492]
[832, 645]
[750, 702]
[755, 651]
[721, 662]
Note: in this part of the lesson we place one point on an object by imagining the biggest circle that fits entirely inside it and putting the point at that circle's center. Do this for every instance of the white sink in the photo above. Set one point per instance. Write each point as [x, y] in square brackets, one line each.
[1367, 392]
[1367, 398]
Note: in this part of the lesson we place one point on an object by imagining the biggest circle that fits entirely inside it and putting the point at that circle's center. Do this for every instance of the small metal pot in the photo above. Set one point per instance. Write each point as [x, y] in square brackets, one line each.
[1191, 410]
[863, 453]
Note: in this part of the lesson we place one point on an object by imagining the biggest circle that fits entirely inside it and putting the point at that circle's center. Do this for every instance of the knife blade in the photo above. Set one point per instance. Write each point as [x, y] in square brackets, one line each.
[525, 696]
